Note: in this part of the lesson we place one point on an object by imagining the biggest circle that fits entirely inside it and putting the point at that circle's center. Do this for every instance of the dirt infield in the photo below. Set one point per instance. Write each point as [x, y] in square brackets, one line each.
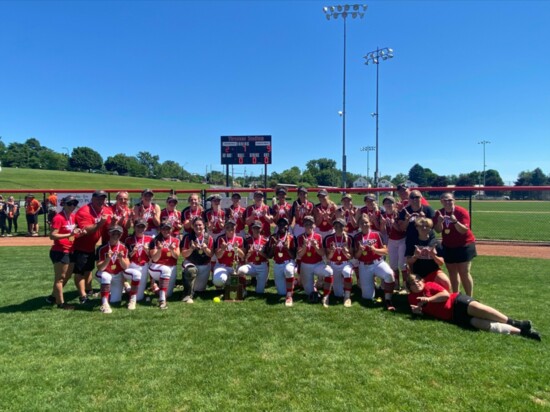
[483, 248]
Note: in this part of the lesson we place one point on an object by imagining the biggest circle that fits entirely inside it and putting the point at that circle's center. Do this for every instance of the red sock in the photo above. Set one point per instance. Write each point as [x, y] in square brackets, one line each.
[105, 291]
[348, 282]
[290, 284]
[327, 285]
[164, 284]
[134, 287]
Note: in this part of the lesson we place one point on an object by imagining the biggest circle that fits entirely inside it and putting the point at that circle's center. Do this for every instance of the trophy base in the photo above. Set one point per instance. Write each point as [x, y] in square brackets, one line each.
[233, 290]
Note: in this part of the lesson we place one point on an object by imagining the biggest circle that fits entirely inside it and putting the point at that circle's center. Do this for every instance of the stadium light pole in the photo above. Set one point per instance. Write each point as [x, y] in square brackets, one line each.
[374, 58]
[344, 10]
[484, 143]
[368, 149]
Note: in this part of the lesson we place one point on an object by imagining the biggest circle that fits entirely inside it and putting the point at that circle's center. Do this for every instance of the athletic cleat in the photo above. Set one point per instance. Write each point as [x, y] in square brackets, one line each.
[289, 302]
[347, 303]
[106, 308]
[389, 306]
[532, 334]
[163, 305]
[187, 299]
[50, 299]
[83, 299]
[324, 301]
[314, 297]
[132, 305]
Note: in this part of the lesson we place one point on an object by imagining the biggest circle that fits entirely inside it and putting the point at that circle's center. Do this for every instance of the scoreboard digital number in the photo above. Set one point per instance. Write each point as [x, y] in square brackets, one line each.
[246, 150]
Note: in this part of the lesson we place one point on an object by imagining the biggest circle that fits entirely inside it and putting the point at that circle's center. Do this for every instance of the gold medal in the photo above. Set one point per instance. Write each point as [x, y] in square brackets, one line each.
[113, 267]
[200, 252]
[280, 254]
[308, 253]
[364, 253]
[447, 231]
[230, 254]
[339, 258]
[257, 258]
[71, 238]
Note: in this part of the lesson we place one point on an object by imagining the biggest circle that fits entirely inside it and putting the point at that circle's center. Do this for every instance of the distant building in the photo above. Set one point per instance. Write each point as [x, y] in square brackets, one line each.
[361, 183]
[384, 183]
[410, 184]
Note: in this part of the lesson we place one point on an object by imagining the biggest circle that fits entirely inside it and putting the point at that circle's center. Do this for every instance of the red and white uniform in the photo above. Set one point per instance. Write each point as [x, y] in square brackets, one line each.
[112, 277]
[395, 239]
[450, 237]
[340, 264]
[284, 266]
[371, 264]
[148, 213]
[121, 215]
[237, 213]
[165, 267]
[351, 228]
[215, 221]
[281, 210]
[224, 266]
[312, 263]
[259, 213]
[299, 211]
[140, 259]
[64, 224]
[256, 263]
[87, 216]
[188, 214]
[439, 310]
[374, 216]
[173, 217]
[323, 220]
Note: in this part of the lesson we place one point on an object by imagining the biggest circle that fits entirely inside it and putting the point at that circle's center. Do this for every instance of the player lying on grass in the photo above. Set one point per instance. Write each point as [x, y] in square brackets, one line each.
[432, 299]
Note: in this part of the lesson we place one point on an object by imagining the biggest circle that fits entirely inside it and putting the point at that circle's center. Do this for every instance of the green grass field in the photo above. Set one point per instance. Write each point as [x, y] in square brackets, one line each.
[260, 355]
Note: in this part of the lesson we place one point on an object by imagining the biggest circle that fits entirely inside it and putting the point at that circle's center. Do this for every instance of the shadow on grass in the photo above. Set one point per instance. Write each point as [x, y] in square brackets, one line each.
[38, 303]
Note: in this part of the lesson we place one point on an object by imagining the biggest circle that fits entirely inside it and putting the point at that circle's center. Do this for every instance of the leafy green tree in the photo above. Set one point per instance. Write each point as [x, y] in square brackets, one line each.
[418, 175]
[465, 179]
[151, 163]
[324, 171]
[85, 159]
[2, 149]
[170, 169]
[119, 163]
[51, 160]
[399, 178]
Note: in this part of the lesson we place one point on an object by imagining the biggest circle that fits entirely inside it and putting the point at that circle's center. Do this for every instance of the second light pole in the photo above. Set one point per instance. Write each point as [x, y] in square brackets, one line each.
[374, 58]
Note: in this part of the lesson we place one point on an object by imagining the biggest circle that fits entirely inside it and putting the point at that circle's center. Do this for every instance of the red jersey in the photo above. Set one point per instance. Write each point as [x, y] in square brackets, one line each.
[348, 213]
[278, 211]
[259, 213]
[300, 210]
[373, 239]
[141, 245]
[173, 217]
[63, 224]
[166, 257]
[326, 224]
[237, 214]
[277, 243]
[120, 216]
[191, 215]
[87, 216]
[228, 256]
[147, 213]
[256, 246]
[114, 266]
[339, 242]
[439, 310]
[311, 255]
[392, 227]
[197, 257]
[374, 216]
[215, 219]
[450, 237]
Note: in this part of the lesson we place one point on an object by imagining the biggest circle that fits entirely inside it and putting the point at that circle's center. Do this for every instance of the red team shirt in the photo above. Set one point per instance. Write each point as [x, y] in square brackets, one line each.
[391, 227]
[256, 245]
[339, 242]
[278, 211]
[280, 253]
[215, 218]
[237, 214]
[114, 266]
[63, 224]
[300, 210]
[259, 213]
[191, 215]
[372, 238]
[326, 225]
[141, 257]
[87, 216]
[350, 227]
[439, 310]
[374, 216]
[172, 217]
[121, 215]
[311, 256]
[148, 213]
[450, 236]
[228, 256]
[166, 257]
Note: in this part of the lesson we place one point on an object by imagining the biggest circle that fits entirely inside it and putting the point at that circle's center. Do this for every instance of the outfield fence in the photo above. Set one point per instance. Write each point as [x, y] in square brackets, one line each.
[498, 213]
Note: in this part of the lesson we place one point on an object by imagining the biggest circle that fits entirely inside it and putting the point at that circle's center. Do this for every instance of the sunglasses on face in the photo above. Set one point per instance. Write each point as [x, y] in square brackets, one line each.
[72, 203]
[414, 197]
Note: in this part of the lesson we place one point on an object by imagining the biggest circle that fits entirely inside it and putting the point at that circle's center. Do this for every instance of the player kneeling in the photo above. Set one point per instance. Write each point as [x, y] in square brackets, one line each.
[255, 258]
[112, 266]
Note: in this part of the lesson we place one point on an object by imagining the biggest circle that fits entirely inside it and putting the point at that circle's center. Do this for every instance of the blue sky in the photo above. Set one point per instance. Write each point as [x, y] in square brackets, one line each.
[172, 77]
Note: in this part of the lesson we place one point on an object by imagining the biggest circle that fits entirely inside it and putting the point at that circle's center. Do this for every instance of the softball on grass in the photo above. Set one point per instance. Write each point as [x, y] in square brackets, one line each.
[216, 299]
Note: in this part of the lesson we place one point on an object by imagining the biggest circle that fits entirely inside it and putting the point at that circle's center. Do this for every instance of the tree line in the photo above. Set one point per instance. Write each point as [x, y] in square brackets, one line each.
[318, 172]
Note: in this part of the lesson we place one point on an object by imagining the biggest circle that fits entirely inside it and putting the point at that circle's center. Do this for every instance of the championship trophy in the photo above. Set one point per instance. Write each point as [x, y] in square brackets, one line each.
[233, 288]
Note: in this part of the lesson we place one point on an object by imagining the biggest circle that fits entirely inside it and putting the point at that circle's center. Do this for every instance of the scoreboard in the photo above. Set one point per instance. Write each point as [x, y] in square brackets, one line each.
[246, 150]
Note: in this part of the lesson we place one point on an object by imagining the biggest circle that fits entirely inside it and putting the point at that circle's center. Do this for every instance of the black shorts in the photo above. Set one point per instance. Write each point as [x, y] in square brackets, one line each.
[32, 219]
[83, 262]
[460, 310]
[61, 257]
[460, 254]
